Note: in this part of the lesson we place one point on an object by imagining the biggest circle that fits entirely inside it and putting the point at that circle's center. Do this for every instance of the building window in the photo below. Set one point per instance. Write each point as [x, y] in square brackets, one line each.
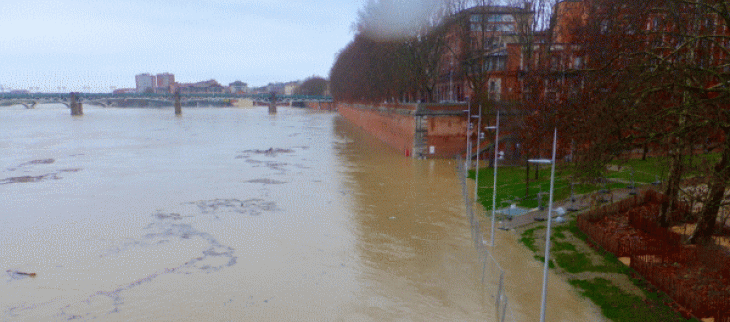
[492, 43]
[495, 89]
[495, 63]
[506, 28]
[500, 18]
[630, 29]
[578, 62]
[475, 22]
[501, 62]
[555, 63]
[604, 27]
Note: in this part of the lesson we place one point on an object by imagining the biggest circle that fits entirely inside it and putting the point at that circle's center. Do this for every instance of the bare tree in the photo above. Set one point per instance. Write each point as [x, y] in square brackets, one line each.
[657, 73]
[394, 55]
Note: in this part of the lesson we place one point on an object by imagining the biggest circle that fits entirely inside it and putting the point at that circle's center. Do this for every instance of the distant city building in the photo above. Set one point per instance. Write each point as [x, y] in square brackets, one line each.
[290, 88]
[277, 88]
[165, 83]
[260, 90]
[145, 83]
[124, 91]
[206, 87]
[238, 87]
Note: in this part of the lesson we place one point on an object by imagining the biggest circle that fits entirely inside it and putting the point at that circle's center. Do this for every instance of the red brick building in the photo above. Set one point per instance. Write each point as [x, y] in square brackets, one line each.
[478, 54]
[487, 51]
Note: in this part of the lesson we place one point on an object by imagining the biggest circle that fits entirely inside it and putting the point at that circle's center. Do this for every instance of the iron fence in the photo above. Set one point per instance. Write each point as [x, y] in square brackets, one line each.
[658, 255]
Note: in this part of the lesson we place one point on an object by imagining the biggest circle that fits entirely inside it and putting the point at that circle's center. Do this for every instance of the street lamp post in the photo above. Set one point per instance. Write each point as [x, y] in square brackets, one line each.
[549, 220]
[467, 160]
[494, 187]
[479, 141]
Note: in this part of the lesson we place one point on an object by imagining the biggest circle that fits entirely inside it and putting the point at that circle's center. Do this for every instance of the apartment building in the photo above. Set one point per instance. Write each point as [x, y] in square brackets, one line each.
[145, 83]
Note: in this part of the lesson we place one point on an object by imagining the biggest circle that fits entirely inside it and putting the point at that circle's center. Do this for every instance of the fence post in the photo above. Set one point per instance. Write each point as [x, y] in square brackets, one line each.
[504, 309]
[499, 294]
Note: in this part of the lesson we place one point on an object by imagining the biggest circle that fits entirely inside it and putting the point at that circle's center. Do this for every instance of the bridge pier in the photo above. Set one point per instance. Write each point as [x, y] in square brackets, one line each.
[178, 105]
[272, 104]
[76, 106]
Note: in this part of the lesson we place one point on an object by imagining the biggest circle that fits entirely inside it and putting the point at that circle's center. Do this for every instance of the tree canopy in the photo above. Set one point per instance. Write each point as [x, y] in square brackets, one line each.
[315, 86]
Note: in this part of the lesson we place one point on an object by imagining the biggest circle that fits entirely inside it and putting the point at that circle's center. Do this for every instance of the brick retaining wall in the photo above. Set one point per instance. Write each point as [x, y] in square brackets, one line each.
[326, 106]
[395, 128]
[418, 130]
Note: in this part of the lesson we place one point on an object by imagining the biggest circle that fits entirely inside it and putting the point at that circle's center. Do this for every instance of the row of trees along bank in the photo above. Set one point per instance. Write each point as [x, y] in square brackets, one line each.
[657, 78]
[403, 49]
[614, 76]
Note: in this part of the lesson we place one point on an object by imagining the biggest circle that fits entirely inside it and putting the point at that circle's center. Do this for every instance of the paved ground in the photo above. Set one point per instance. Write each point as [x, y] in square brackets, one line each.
[582, 202]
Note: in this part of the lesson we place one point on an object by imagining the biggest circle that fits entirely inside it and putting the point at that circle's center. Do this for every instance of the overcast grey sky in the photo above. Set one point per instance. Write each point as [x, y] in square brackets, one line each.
[99, 44]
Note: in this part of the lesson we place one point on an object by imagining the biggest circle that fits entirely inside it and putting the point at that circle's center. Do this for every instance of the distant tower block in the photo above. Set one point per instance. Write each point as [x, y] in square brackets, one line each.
[75, 105]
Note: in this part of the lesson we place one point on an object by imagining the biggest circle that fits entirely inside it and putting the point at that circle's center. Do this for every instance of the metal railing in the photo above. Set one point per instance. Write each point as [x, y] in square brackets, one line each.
[492, 274]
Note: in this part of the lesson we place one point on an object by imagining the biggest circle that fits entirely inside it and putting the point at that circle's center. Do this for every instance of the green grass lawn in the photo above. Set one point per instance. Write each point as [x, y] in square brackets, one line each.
[642, 172]
[598, 275]
[511, 186]
[601, 285]
[658, 167]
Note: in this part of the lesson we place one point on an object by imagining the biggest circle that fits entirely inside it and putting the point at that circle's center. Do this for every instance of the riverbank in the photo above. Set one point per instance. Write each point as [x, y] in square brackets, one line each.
[607, 281]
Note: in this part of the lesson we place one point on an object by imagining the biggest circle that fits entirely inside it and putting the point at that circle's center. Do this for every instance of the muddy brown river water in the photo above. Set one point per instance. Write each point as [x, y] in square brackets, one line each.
[235, 214]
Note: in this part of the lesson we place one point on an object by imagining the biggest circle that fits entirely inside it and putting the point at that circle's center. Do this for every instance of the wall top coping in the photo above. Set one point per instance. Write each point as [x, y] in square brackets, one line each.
[417, 108]
[435, 109]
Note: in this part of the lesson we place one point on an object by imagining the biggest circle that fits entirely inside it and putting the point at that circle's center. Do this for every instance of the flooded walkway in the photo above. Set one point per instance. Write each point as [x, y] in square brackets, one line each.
[512, 278]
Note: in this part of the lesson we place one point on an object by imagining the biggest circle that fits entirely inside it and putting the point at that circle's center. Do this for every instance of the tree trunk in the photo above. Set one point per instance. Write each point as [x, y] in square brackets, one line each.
[645, 152]
[672, 189]
[715, 195]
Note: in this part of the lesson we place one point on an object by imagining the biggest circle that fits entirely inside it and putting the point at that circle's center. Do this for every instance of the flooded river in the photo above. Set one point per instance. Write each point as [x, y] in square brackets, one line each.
[235, 214]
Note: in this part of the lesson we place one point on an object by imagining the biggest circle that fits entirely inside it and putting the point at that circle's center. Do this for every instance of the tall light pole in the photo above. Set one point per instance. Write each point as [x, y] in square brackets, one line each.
[479, 141]
[549, 220]
[467, 160]
[494, 188]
